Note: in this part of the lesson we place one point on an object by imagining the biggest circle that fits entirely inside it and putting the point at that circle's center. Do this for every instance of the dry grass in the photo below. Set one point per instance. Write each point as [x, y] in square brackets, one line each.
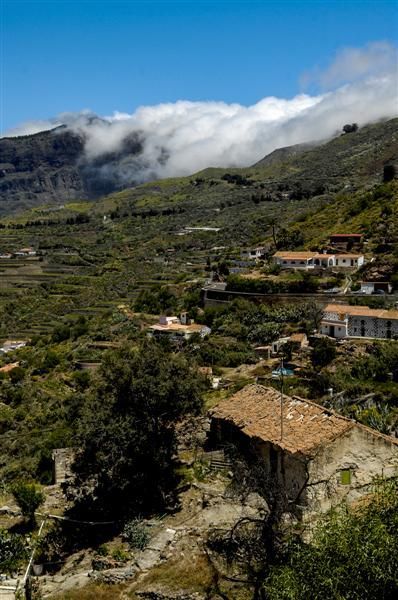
[93, 592]
[188, 573]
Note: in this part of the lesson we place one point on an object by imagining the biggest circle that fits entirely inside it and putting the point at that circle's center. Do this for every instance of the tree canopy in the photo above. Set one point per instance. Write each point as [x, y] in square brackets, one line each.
[125, 465]
[353, 555]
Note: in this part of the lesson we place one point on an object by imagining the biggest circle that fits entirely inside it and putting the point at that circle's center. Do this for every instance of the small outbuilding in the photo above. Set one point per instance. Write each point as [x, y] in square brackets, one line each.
[375, 287]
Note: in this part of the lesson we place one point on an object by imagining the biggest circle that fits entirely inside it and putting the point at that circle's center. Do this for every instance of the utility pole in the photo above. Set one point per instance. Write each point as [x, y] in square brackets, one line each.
[281, 401]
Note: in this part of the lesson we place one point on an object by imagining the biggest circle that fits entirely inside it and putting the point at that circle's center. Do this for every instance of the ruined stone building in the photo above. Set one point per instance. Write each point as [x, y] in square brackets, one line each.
[62, 464]
[317, 457]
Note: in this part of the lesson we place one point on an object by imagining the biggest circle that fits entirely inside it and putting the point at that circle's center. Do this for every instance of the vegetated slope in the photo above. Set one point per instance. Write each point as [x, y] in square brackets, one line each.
[355, 156]
[51, 167]
[283, 154]
[96, 258]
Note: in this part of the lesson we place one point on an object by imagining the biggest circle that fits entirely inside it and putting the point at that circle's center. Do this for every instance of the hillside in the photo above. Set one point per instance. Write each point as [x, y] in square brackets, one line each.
[51, 167]
[81, 306]
[95, 254]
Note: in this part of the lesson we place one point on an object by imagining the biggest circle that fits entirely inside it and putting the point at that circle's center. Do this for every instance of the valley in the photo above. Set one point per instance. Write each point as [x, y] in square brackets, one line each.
[105, 293]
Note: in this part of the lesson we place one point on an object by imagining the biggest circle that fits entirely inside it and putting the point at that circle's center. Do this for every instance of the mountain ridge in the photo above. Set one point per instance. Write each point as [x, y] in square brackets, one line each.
[51, 167]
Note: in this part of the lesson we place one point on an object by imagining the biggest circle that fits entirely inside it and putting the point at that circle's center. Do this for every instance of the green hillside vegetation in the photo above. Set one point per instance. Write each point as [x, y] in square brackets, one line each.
[101, 267]
[89, 377]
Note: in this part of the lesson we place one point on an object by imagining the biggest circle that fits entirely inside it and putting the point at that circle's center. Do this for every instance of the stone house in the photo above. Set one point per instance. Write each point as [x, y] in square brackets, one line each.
[342, 321]
[299, 341]
[317, 457]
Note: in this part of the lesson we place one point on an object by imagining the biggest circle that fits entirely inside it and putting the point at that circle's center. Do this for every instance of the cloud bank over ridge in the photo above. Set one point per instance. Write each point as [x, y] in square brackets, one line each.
[180, 138]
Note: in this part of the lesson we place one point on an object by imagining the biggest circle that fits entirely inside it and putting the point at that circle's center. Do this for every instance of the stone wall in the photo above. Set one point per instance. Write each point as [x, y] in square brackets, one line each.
[62, 463]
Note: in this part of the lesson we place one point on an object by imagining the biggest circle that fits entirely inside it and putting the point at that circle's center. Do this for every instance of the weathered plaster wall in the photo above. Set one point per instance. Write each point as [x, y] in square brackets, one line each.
[364, 454]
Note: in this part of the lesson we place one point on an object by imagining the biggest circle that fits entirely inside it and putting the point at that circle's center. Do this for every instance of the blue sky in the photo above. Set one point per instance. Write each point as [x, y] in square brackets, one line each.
[70, 55]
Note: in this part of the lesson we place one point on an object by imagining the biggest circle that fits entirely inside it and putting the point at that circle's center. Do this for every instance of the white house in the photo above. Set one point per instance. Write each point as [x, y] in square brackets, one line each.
[342, 321]
[316, 456]
[25, 252]
[253, 253]
[302, 260]
[349, 260]
[310, 260]
[177, 328]
[11, 345]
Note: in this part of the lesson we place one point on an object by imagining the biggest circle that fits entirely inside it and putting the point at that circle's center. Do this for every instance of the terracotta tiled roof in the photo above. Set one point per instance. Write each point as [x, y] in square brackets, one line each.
[361, 311]
[178, 327]
[349, 255]
[306, 425]
[298, 337]
[9, 367]
[256, 411]
[295, 255]
[346, 235]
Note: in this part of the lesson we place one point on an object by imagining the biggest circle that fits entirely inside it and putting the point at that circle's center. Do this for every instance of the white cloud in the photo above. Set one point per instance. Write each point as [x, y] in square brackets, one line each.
[183, 137]
[352, 64]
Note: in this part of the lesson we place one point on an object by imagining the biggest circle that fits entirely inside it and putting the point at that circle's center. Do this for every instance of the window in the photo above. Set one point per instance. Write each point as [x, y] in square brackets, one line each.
[362, 328]
[345, 477]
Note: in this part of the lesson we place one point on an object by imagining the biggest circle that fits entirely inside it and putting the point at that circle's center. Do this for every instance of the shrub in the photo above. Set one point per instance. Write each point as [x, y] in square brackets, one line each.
[323, 352]
[17, 374]
[120, 554]
[136, 534]
[13, 551]
[103, 550]
[29, 497]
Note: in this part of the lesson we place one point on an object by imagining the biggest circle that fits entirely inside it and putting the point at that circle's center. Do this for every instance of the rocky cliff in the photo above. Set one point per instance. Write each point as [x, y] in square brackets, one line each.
[51, 167]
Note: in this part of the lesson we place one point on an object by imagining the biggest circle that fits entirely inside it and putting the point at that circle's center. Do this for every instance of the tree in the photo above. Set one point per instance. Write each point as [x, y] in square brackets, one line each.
[286, 350]
[17, 375]
[29, 497]
[350, 128]
[127, 435]
[389, 172]
[353, 554]
[323, 352]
